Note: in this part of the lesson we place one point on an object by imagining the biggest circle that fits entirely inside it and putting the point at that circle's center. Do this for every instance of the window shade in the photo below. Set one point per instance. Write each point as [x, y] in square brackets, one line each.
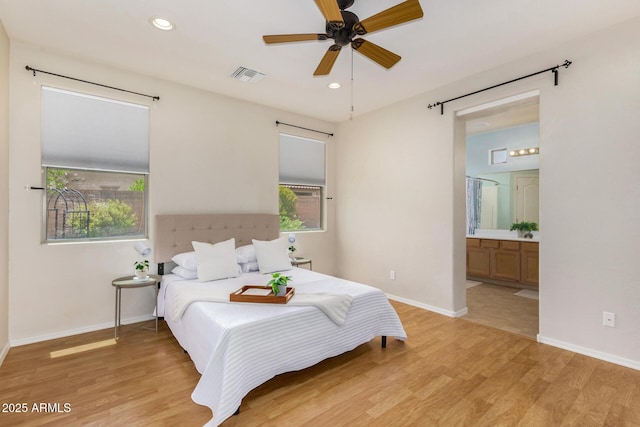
[302, 161]
[89, 132]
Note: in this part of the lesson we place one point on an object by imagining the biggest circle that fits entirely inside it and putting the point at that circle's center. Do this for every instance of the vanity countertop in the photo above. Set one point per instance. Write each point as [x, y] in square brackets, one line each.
[503, 235]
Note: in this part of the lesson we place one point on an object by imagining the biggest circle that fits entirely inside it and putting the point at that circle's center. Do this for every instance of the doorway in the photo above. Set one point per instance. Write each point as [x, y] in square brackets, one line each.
[502, 181]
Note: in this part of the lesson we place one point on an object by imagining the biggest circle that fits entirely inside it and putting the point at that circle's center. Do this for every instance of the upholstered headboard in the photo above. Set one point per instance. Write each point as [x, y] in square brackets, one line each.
[174, 233]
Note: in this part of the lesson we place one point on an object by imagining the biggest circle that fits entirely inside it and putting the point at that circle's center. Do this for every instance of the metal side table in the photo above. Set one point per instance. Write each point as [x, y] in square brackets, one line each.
[298, 261]
[130, 282]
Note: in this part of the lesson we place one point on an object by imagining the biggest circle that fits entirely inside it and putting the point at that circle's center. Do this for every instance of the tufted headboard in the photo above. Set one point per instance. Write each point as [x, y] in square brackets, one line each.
[174, 233]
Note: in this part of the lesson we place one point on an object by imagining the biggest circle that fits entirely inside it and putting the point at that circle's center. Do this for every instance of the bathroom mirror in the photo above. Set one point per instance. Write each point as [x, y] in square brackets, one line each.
[506, 197]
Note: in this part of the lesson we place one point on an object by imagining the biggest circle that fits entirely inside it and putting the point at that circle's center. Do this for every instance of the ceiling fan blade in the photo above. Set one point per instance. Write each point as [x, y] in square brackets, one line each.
[329, 58]
[376, 53]
[399, 14]
[331, 12]
[286, 38]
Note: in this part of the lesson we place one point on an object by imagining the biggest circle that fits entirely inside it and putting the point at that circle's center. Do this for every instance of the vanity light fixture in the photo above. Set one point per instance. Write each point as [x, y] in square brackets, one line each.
[335, 85]
[162, 24]
[524, 152]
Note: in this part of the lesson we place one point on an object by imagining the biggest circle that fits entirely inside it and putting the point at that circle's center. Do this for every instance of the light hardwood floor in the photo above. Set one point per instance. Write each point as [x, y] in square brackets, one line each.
[450, 372]
[499, 307]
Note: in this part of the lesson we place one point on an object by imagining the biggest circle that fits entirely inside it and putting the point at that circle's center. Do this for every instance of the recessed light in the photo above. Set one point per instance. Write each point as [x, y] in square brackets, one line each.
[334, 85]
[162, 24]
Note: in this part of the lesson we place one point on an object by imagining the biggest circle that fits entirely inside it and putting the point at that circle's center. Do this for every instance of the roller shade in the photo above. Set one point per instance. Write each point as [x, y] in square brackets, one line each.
[89, 132]
[302, 161]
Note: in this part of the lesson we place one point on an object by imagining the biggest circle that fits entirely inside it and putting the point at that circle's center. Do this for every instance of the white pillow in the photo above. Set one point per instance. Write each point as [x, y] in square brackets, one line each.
[189, 260]
[273, 255]
[184, 273]
[249, 266]
[216, 261]
[248, 253]
[186, 260]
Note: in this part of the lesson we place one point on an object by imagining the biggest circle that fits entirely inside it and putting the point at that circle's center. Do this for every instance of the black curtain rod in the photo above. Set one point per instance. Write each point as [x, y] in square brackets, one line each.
[554, 70]
[300, 127]
[28, 68]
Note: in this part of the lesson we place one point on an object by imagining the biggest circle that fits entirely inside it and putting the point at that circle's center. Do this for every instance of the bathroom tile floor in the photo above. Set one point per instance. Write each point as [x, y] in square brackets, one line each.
[498, 307]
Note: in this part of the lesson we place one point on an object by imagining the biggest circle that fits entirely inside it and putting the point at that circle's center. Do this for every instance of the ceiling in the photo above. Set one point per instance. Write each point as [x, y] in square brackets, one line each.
[453, 40]
[513, 114]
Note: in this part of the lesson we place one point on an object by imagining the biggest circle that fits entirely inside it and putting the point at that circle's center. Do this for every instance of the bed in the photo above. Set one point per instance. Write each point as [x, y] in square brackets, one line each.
[238, 346]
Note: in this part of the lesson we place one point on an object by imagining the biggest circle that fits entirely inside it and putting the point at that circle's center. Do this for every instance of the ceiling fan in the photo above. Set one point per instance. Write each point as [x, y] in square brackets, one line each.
[344, 27]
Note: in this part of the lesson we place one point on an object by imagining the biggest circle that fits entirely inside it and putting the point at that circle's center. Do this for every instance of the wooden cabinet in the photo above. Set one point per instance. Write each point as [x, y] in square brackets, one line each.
[529, 263]
[507, 260]
[478, 258]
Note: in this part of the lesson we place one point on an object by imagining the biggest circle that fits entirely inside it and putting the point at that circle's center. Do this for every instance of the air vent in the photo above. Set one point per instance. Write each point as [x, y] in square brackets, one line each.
[246, 75]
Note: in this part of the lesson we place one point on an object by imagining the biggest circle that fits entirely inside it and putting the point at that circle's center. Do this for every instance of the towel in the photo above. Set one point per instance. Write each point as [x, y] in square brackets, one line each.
[334, 306]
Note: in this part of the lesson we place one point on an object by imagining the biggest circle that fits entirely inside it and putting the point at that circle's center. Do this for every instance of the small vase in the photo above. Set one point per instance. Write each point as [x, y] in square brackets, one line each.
[282, 290]
[521, 234]
[141, 274]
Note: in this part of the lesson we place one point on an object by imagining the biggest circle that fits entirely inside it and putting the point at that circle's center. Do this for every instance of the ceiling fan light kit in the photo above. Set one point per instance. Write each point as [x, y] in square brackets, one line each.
[344, 27]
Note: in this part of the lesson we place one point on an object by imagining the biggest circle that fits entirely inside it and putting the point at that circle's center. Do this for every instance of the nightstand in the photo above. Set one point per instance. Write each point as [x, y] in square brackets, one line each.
[298, 261]
[130, 282]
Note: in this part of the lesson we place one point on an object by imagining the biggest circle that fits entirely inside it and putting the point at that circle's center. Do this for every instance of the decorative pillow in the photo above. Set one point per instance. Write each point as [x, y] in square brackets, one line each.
[249, 266]
[186, 260]
[248, 253]
[216, 261]
[184, 273]
[272, 255]
[189, 260]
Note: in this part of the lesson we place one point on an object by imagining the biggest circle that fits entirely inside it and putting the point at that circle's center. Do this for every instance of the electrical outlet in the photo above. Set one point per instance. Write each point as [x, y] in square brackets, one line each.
[609, 319]
[392, 274]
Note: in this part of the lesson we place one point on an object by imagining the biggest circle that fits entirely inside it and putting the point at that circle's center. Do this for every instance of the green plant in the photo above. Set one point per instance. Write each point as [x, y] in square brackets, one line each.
[141, 265]
[288, 201]
[137, 185]
[57, 178]
[277, 280]
[524, 226]
[110, 217]
[287, 206]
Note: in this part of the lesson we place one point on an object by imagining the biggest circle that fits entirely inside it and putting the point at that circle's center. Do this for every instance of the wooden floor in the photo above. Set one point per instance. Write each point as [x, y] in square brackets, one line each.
[499, 307]
[450, 372]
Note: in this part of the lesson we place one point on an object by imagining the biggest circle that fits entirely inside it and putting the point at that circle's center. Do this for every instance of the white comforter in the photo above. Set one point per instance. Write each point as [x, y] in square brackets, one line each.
[236, 346]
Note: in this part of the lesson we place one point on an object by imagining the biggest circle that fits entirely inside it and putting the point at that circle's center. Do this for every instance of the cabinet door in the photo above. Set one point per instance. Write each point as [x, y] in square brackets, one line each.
[505, 261]
[478, 261]
[529, 264]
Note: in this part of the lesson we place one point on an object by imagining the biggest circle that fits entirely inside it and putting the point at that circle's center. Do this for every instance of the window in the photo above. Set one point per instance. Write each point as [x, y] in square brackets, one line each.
[498, 156]
[95, 162]
[302, 181]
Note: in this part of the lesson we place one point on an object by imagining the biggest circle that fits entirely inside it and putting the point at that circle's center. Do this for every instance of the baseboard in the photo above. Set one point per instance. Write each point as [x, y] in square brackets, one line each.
[633, 364]
[428, 307]
[70, 332]
[4, 352]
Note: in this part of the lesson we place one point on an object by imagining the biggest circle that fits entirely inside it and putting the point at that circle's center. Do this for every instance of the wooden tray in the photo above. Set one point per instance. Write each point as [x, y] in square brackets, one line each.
[269, 299]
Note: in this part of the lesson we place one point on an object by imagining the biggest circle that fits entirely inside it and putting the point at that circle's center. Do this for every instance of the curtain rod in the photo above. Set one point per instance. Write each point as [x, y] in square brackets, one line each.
[554, 70]
[484, 179]
[28, 68]
[278, 123]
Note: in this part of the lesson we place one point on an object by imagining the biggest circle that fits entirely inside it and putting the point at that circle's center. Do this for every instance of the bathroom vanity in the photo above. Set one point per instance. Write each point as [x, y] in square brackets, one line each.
[503, 260]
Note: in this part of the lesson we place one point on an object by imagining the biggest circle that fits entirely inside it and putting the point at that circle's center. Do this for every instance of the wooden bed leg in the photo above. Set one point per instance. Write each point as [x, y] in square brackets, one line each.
[384, 341]
[237, 411]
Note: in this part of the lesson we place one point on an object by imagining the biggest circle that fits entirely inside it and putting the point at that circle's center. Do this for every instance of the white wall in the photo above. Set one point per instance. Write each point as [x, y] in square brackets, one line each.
[208, 153]
[400, 193]
[4, 193]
